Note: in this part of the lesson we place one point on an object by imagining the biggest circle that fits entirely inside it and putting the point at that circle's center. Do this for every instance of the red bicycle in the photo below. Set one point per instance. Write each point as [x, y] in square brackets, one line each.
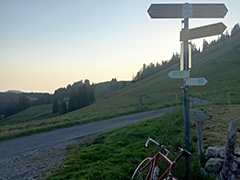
[148, 168]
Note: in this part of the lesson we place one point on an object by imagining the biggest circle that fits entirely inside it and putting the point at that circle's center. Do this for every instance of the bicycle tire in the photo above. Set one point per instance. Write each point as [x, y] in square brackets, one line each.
[173, 178]
[145, 173]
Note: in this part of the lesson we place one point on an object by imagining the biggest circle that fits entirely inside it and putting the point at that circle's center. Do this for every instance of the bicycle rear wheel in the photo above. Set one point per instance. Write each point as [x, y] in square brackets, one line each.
[143, 171]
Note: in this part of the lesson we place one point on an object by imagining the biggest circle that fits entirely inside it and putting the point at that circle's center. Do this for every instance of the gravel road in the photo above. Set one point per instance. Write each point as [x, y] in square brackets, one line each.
[33, 157]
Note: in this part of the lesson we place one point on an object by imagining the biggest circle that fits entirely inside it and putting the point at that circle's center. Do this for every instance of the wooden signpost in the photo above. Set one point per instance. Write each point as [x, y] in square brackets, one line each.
[186, 11]
[204, 31]
[157, 11]
[178, 74]
[196, 81]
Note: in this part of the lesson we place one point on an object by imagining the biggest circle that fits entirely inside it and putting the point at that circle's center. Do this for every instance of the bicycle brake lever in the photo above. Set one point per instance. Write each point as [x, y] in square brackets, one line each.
[146, 144]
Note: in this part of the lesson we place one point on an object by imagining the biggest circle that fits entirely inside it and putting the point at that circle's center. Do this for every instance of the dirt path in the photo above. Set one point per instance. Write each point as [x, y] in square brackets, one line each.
[31, 157]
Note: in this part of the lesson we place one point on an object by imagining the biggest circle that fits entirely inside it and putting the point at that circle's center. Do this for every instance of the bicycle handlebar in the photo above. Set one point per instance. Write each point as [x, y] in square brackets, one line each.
[150, 139]
[160, 145]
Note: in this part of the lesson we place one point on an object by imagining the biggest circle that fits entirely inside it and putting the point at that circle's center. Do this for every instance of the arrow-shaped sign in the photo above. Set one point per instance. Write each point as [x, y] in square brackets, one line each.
[178, 74]
[196, 81]
[204, 31]
[187, 10]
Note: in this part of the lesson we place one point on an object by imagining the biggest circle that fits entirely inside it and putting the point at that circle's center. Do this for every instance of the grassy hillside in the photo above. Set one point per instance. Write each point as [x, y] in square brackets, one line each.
[219, 65]
[32, 113]
[104, 89]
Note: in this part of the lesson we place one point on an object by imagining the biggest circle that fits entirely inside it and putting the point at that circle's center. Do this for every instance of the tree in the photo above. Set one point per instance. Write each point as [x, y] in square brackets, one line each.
[212, 43]
[235, 30]
[205, 45]
[63, 107]
[73, 105]
[194, 49]
[55, 107]
[82, 96]
[92, 93]
[227, 34]
[114, 85]
[23, 103]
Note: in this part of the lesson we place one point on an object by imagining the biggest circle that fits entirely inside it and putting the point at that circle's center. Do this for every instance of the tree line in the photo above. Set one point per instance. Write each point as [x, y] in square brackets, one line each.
[81, 96]
[64, 99]
[23, 103]
[12, 103]
[235, 30]
[148, 70]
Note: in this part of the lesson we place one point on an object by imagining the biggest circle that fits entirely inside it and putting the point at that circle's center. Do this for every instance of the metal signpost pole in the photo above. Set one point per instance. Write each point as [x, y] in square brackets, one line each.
[186, 102]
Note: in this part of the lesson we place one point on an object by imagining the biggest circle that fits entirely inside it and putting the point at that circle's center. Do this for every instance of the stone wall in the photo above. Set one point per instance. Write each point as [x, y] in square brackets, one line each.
[215, 159]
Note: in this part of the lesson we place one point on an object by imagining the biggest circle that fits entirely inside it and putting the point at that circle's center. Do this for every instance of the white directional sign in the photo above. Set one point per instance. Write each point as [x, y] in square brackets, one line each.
[178, 74]
[204, 31]
[196, 81]
[187, 10]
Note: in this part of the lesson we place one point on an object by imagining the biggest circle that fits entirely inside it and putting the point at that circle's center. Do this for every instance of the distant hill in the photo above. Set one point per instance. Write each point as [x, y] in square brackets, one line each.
[14, 91]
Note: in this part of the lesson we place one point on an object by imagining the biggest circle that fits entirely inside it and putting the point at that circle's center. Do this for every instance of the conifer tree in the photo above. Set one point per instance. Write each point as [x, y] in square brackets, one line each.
[55, 107]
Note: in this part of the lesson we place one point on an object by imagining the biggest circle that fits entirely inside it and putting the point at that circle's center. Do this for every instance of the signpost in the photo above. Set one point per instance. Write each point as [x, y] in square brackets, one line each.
[186, 11]
[196, 81]
[204, 31]
[178, 74]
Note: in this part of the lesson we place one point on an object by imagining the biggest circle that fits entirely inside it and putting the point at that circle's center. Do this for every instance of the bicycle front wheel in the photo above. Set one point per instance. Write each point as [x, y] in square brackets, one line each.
[171, 178]
[143, 171]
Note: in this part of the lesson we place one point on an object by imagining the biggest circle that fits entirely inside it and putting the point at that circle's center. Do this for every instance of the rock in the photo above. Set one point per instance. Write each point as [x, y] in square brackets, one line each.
[221, 153]
[213, 152]
[234, 166]
[203, 171]
[237, 160]
[214, 165]
[233, 177]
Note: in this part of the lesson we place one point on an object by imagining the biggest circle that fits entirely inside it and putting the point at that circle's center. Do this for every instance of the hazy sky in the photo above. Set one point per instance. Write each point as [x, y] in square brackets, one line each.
[48, 44]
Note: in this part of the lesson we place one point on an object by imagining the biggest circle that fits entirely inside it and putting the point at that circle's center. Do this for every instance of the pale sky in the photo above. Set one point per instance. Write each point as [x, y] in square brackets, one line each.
[48, 44]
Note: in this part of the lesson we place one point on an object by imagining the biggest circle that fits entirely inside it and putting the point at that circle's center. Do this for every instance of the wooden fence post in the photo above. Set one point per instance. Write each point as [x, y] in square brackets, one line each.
[228, 98]
[229, 151]
[200, 138]
[199, 116]
[140, 101]
[192, 102]
[201, 99]
[214, 99]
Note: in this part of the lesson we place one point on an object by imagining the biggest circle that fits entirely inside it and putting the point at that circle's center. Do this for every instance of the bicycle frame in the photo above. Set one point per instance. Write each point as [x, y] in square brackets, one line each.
[170, 168]
[154, 161]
